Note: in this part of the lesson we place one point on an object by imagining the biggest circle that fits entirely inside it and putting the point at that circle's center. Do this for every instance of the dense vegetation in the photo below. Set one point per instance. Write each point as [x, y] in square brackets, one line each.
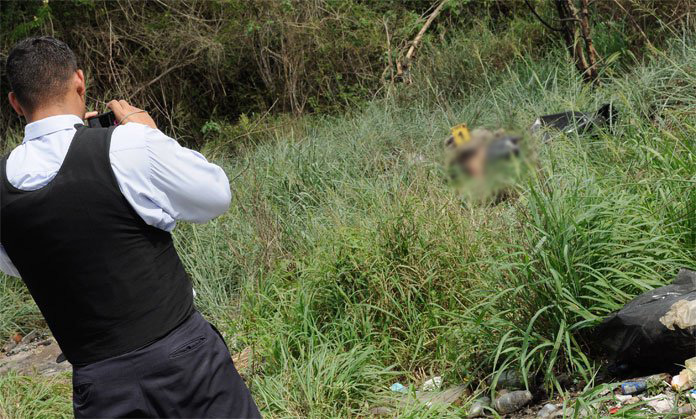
[348, 261]
[193, 62]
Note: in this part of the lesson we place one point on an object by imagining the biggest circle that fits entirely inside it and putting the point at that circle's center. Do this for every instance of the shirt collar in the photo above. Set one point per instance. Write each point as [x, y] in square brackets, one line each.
[50, 125]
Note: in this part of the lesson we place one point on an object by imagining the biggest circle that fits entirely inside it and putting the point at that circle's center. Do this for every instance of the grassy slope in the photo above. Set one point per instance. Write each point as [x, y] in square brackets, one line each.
[348, 262]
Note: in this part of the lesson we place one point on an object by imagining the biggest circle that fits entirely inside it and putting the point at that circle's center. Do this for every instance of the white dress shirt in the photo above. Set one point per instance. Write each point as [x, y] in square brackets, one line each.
[162, 181]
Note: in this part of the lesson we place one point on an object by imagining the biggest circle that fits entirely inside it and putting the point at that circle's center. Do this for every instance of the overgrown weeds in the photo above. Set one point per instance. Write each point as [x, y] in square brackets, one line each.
[377, 249]
[195, 62]
[35, 397]
[348, 261]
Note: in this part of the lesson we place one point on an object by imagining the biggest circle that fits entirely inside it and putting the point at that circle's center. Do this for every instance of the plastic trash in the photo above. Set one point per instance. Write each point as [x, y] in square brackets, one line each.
[432, 384]
[398, 388]
[681, 382]
[479, 407]
[633, 387]
[512, 401]
[639, 339]
[687, 377]
[548, 410]
[690, 364]
[661, 403]
[573, 121]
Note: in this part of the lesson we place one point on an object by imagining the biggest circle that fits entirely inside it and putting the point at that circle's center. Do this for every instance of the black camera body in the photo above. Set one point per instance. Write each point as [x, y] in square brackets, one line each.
[104, 120]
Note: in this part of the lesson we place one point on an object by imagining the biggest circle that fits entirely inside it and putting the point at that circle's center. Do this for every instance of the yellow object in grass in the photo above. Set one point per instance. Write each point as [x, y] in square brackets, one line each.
[461, 134]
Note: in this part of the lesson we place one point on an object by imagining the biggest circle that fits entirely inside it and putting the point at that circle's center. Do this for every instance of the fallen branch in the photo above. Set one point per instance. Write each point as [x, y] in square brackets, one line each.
[426, 25]
[389, 53]
[402, 67]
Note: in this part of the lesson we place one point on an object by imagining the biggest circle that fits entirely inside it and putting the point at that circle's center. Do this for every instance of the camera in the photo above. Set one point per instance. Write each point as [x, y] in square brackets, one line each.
[104, 120]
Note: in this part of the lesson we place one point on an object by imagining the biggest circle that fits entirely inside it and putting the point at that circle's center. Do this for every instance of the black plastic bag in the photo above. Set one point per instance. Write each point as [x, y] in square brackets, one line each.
[574, 122]
[654, 332]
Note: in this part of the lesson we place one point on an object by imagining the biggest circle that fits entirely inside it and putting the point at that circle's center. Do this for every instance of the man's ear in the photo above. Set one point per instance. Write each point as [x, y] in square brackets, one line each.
[80, 87]
[15, 104]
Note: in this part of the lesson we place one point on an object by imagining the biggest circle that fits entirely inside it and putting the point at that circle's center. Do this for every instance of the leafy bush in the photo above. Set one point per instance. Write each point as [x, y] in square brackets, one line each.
[193, 61]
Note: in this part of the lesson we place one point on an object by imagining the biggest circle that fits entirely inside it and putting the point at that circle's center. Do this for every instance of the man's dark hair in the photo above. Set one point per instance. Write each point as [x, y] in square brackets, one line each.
[38, 69]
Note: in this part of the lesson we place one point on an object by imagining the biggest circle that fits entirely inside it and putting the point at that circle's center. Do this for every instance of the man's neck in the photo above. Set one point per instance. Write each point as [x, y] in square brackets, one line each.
[47, 111]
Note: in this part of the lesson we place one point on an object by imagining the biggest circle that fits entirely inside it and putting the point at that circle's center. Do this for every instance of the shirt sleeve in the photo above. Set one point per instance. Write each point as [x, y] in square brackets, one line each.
[6, 264]
[165, 182]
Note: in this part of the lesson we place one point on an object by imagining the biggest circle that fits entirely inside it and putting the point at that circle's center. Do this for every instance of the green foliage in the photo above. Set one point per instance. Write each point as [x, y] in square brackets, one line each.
[41, 17]
[17, 312]
[35, 397]
[471, 59]
[191, 61]
[348, 261]
[371, 245]
[221, 58]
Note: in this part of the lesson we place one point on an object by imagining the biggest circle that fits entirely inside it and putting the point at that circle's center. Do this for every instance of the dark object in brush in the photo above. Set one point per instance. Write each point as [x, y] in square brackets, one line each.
[104, 120]
[575, 122]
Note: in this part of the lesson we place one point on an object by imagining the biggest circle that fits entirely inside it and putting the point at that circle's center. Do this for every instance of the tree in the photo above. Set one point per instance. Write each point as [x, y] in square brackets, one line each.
[574, 28]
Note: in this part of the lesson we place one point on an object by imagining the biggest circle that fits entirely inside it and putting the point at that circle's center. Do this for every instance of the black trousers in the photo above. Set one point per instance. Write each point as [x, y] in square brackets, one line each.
[187, 374]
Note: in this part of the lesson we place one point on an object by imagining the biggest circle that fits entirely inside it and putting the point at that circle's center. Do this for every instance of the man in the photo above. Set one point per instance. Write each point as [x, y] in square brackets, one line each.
[85, 220]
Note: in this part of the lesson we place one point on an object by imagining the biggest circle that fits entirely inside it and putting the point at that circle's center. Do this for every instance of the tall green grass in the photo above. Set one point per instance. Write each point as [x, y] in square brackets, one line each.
[349, 261]
[35, 397]
[369, 245]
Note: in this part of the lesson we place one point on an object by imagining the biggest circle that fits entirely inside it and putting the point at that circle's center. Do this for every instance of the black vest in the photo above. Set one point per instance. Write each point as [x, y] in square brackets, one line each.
[106, 282]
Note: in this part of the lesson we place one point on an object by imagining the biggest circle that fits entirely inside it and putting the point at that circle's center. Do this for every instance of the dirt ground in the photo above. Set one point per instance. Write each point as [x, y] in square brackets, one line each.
[35, 353]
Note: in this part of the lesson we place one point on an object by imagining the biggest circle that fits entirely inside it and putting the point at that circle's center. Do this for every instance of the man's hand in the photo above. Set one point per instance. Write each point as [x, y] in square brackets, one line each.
[126, 113]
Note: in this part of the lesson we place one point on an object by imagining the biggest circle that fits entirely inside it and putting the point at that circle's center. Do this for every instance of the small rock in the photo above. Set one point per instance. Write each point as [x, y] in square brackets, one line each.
[479, 407]
[623, 398]
[40, 359]
[30, 337]
[380, 411]
[446, 397]
[430, 398]
[432, 384]
[685, 410]
[9, 346]
[547, 411]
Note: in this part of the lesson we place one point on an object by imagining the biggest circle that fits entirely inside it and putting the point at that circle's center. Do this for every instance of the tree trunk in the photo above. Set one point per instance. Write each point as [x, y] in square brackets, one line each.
[576, 25]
